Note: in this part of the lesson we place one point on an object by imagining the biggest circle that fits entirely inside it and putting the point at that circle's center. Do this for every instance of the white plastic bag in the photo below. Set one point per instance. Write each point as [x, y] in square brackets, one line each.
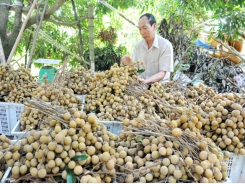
[180, 76]
[238, 79]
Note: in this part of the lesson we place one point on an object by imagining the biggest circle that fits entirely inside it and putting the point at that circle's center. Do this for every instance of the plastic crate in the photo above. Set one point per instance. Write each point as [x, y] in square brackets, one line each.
[6, 175]
[83, 100]
[235, 168]
[227, 180]
[9, 113]
[113, 126]
[17, 133]
[14, 141]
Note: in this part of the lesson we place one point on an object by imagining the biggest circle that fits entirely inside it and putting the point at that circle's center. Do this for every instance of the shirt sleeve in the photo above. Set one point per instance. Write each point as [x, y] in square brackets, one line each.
[166, 59]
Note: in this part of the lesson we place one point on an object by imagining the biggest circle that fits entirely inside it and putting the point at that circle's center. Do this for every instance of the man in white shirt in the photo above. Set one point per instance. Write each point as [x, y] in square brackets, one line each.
[155, 51]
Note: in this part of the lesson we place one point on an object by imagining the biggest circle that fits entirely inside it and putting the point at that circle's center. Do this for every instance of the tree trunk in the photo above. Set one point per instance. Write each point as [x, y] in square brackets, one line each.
[20, 32]
[4, 11]
[80, 50]
[8, 37]
[2, 57]
[79, 28]
[56, 5]
[91, 36]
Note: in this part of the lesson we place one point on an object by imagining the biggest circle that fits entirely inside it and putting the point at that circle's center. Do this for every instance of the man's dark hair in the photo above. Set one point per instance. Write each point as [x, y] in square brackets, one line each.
[150, 18]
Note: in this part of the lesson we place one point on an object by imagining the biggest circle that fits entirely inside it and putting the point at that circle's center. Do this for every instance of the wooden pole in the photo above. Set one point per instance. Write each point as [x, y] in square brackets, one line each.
[21, 32]
[2, 56]
[36, 35]
[79, 33]
[48, 39]
[91, 36]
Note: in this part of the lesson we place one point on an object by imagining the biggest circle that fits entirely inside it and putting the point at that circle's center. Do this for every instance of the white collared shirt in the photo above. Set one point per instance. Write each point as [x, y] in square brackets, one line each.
[158, 58]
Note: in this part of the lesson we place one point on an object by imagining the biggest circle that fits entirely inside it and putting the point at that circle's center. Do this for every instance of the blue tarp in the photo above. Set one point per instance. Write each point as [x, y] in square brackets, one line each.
[202, 44]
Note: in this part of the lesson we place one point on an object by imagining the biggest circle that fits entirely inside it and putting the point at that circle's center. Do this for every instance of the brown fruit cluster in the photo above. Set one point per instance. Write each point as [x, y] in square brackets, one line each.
[60, 97]
[11, 82]
[108, 35]
[4, 145]
[225, 122]
[4, 142]
[32, 118]
[79, 80]
[219, 116]
[108, 97]
[161, 157]
[49, 151]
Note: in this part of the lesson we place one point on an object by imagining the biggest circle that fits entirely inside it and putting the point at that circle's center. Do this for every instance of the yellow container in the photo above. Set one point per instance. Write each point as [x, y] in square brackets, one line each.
[237, 44]
[232, 58]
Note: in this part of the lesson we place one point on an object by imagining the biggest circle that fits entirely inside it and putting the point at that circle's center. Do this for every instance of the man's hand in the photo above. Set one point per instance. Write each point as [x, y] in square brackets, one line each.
[141, 80]
[126, 60]
[154, 78]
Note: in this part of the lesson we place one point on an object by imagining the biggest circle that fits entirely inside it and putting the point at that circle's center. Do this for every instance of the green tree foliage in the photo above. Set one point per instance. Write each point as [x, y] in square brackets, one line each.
[225, 16]
[106, 56]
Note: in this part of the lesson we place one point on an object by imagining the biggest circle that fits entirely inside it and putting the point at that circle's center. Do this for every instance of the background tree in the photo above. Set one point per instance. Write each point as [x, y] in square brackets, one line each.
[9, 28]
[225, 17]
[65, 22]
[64, 15]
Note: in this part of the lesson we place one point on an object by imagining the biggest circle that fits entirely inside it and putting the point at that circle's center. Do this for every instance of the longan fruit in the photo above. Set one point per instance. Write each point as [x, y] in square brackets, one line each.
[78, 170]
[42, 173]
[72, 164]
[33, 172]
[106, 156]
[67, 116]
[77, 114]
[23, 169]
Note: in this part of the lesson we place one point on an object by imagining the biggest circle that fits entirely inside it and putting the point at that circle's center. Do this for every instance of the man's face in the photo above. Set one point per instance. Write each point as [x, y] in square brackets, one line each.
[146, 30]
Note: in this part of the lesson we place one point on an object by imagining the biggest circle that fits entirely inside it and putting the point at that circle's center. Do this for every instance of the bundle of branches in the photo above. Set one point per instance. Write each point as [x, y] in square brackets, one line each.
[47, 109]
[107, 95]
[76, 147]
[164, 153]
[60, 76]
[231, 51]
[166, 106]
[219, 73]
[79, 148]
[219, 116]
[54, 94]
[174, 32]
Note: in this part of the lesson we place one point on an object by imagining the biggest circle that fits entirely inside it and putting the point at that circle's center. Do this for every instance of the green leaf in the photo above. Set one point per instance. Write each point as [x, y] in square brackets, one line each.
[70, 178]
[139, 139]
[80, 158]
[140, 71]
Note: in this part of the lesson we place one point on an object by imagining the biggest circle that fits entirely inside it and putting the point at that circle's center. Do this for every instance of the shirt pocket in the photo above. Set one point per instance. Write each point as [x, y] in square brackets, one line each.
[153, 68]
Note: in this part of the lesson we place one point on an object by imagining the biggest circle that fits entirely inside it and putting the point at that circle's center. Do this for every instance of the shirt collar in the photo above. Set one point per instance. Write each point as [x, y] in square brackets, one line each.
[155, 42]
